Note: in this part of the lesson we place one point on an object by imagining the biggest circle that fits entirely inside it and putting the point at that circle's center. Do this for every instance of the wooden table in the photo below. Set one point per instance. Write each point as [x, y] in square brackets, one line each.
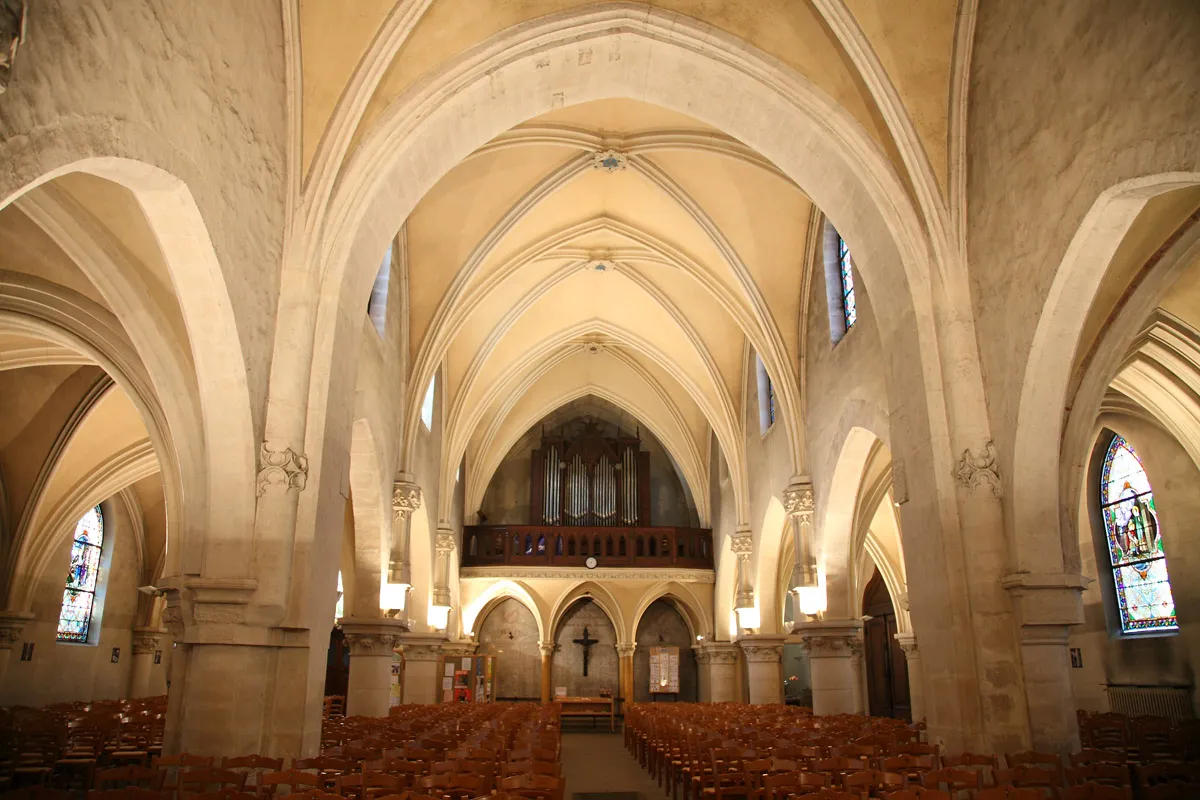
[594, 707]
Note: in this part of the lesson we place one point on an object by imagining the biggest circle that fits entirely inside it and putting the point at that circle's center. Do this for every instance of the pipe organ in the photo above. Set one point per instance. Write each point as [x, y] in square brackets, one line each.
[590, 480]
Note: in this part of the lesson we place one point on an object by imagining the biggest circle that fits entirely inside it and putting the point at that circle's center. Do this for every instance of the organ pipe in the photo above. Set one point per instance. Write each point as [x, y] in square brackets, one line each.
[592, 480]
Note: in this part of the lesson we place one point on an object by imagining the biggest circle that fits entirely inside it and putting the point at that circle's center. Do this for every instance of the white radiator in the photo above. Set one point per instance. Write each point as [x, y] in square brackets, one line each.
[1173, 702]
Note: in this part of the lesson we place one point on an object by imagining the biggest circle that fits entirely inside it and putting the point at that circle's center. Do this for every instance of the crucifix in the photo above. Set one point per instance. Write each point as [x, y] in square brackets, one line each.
[586, 643]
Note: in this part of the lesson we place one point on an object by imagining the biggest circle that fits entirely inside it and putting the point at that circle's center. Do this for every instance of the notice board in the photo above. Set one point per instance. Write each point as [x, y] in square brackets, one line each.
[664, 670]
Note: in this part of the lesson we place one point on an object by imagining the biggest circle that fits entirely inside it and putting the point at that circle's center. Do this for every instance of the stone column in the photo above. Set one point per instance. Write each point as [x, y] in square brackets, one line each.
[916, 686]
[625, 670]
[798, 501]
[1046, 606]
[12, 623]
[547, 651]
[718, 662]
[764, 655]
[742, 544]
[422, 684]
[831, 645]
[146, 642]
[372, 642]
[406, 498]
[444, 547]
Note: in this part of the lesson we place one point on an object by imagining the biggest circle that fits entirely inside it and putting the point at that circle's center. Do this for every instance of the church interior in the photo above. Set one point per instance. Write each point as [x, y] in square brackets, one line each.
[540, 398]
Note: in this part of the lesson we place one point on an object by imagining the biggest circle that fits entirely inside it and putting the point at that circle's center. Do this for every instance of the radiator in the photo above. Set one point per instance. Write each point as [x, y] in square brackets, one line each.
[1173, 702]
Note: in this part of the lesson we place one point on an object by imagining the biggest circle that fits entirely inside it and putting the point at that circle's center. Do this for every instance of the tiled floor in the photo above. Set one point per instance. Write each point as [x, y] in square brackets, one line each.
[599, 762]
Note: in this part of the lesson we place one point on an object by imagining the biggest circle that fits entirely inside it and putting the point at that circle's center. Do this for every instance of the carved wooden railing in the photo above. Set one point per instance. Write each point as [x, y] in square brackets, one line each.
[542, 545]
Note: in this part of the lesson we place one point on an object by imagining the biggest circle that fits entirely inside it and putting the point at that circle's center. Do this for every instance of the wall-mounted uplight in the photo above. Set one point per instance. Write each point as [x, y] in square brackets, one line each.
[439, 617]
[393, 596]
[748, 618]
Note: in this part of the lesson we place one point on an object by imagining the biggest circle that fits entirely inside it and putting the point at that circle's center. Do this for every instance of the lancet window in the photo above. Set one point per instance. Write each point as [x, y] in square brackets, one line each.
[1135, 545]
[79, 596]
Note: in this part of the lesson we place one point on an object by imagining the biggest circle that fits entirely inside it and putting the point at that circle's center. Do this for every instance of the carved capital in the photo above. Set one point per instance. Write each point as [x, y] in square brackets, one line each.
[421, 647]
[460, 649]
[742, 543]
[908, 643]
[444, 542]
[798, 499]
[626, 649]
[147, 640]
[610, 160]
[12, 33]
[12, 623]
[372, 644]
[406, 498]
[717, 654]
[762, 650]
[546, 648]
[831, 638]
[284, 468]
[978, 467]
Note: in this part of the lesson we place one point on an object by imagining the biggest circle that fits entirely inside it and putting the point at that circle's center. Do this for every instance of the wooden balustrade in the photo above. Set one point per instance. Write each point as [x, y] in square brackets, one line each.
[541, 545]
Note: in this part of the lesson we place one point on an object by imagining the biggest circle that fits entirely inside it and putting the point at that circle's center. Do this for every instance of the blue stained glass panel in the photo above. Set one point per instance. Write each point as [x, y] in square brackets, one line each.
[846, 264]
[83, 575]
[1135, 544]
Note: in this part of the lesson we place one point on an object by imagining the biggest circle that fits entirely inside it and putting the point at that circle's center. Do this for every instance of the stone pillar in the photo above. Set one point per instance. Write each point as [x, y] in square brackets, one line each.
[764, 655]
[916, 685]
[406, 498]
[444, 547]
[859, 696]
[831, 645]
[718, 665]
[547, 651]
[798, 501]
[12, 623]
[742, 544]
[625, 670]
[372, 642]
[1046, 606]
[146, 642]
[422, 684]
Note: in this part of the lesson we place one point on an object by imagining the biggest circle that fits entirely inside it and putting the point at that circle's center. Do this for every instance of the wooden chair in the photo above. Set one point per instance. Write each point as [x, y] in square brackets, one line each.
[833, 794]
[782, 785]
[171, 766]
[1153, 774]
[522, 767]
[1009, 793]
[294, 779]
[535, 787]
[1094, 756]
[955, 780]
[253, 765]
[464, 786]
[127, 777]
[873, 782]
[838, 766]
[128, 793]
[315, 794]
[1171, 790]
[985, 765]
[1105, 774]
[908, 765]
[917, 793]
[367, 785]
[197, 781]
[1096, 791]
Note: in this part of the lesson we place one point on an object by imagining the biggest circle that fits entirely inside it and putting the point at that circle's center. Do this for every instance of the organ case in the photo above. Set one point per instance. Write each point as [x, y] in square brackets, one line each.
[591, 480]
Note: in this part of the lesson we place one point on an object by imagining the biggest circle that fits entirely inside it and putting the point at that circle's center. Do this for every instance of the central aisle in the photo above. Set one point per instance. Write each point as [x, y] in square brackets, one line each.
[596, 763]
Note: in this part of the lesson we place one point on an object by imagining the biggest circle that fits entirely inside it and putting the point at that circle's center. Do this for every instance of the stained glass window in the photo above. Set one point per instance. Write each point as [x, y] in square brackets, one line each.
[79, 596]
[846, 264]
[1135, 545]
[427, 405]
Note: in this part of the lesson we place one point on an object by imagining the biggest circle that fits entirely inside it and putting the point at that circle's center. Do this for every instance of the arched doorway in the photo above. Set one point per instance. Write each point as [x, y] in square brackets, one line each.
[887, 670]
[510, 633]
[337, 667]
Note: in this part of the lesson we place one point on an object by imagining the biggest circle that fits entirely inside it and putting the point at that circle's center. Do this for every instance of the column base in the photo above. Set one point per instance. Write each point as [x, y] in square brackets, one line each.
[372, 643]
[421, 654]
[832, 646]
[764, 656]
[718, 662]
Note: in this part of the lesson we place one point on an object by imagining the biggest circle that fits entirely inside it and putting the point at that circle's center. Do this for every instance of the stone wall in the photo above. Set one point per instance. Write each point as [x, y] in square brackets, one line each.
[662, 626]
[510, 633]
[568, 656]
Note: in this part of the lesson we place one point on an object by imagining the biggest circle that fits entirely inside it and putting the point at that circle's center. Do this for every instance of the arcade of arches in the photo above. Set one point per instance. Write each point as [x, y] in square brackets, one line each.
[851, 348]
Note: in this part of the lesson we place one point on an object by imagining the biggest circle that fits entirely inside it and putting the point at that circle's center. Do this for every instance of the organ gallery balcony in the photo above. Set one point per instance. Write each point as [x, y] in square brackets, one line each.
[550, 545]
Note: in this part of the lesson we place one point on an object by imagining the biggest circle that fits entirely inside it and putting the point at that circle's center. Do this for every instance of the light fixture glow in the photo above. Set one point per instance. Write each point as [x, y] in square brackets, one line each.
[439, 617]
[812, 599]
[393, 596]
[748, 618]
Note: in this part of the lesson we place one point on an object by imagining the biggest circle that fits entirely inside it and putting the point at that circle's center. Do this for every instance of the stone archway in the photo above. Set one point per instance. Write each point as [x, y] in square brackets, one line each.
[568, 656]
[661, 625]
[510, 633]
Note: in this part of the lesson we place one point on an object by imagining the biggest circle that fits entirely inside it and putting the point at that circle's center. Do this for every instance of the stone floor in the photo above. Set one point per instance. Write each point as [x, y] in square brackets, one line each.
[595, 763]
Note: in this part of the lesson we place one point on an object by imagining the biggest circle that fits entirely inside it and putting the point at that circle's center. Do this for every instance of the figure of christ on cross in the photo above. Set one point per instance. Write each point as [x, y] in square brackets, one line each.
[586, 643]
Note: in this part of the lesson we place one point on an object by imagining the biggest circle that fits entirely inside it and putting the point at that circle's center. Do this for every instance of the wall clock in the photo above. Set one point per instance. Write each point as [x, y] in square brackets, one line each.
[591, 562]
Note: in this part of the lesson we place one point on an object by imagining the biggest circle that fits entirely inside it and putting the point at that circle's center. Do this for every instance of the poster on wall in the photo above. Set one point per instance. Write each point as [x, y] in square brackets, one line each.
[664, 670]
